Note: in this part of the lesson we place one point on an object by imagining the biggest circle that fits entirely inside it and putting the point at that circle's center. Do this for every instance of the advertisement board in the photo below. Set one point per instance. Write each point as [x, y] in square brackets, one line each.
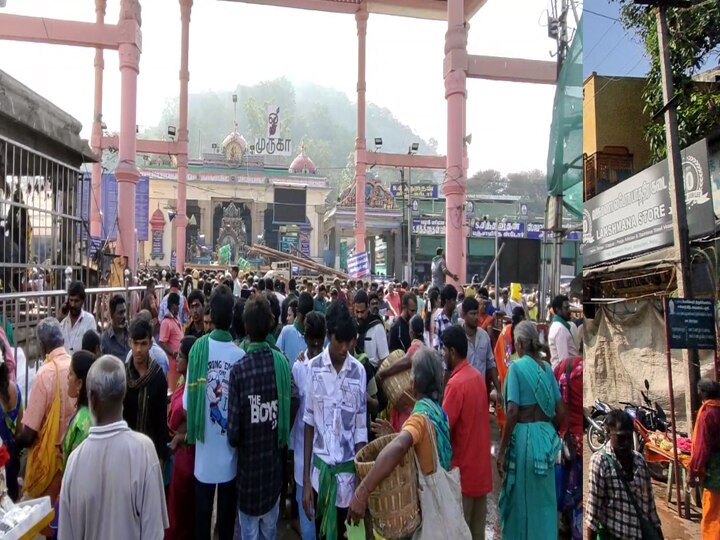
[636, 215]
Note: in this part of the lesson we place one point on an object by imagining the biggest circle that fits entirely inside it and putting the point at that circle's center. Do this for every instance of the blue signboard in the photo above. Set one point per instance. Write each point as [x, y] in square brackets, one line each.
[486, 229]
[691, 323]
[108, 206]
[358, 265]
[535, 232]
[94, 246]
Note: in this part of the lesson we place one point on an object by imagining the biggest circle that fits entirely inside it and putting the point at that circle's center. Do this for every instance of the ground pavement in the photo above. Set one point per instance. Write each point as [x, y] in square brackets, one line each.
[492, 528]
[674, 528]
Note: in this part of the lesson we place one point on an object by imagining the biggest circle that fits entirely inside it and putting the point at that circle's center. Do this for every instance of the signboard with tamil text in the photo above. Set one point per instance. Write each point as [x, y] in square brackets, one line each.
[505, 229]
[636, 215]
[272, 143]
[691, 323]
[358, 265]
[417, 191]
[428, 226]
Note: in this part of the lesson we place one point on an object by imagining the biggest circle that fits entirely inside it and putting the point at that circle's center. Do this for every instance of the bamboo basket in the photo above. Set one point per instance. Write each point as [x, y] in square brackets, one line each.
[394, 505]
[397, 388]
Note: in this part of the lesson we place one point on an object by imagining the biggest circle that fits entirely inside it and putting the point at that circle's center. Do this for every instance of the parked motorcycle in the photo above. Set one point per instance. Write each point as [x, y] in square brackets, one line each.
[649, 418]
[595, 425]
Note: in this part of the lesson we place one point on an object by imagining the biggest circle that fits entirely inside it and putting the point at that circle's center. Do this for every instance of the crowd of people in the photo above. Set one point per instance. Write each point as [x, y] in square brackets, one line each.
[220, 396]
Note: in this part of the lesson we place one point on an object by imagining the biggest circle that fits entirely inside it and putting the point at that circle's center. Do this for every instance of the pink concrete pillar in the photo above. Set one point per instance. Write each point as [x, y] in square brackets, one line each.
[361, 17]
[183, 138]
[127, 173]
[455, 181]
[95, 195]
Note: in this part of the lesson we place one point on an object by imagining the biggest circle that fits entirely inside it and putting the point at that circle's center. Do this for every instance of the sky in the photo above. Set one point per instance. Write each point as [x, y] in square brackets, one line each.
[611, 50]
[234, 43]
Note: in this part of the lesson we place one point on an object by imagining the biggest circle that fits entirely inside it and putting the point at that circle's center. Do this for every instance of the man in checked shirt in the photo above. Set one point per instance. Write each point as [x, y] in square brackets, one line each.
[611, 509]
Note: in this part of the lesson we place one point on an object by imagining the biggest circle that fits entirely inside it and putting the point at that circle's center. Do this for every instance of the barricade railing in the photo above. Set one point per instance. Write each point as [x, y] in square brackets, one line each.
[20, 314]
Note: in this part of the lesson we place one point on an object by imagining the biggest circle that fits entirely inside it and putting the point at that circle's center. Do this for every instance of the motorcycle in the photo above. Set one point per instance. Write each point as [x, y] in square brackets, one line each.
[595, 425]
[649, 418]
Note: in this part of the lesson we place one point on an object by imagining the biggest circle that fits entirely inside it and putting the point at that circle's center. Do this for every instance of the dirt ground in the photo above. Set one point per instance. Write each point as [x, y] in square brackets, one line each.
[492, 527]
[674, 527]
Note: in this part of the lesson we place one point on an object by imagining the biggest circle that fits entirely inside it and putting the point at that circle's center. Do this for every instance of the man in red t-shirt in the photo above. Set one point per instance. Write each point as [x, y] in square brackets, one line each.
[466, 404]
[393, 300]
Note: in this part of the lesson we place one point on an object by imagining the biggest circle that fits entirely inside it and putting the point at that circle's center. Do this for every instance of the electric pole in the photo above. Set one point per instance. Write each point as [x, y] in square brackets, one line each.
[681, 233]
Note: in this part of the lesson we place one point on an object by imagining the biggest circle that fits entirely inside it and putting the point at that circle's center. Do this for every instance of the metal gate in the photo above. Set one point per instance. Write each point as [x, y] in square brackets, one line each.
[42, 230]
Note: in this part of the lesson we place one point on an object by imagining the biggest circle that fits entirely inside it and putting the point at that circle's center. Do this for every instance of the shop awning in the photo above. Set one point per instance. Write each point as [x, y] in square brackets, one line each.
[660, 259]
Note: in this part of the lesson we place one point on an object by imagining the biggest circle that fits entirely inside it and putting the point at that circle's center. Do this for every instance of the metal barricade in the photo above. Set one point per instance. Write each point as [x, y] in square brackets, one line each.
[20, 314]
[41, 219]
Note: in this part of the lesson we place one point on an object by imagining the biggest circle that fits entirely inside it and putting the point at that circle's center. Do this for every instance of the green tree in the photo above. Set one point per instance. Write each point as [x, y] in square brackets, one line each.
[694, 39]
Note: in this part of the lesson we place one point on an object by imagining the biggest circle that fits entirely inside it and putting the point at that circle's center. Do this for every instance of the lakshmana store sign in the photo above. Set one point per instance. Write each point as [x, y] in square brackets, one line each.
[636, 215]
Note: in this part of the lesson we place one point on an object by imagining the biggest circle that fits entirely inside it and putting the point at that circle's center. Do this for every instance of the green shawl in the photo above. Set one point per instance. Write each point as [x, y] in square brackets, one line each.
[282, 381]
[196, 383]
[327, 494]
[299, 327]
[557, 318]
[439, 420]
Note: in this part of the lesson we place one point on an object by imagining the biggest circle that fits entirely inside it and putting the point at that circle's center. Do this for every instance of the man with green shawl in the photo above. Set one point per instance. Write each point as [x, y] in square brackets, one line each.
[206, 401]
[259, 422]
[335, 426]
[560, 335]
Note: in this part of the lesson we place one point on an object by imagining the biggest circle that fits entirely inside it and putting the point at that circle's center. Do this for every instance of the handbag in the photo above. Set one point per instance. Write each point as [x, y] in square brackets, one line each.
[649, 532]
[440, 501]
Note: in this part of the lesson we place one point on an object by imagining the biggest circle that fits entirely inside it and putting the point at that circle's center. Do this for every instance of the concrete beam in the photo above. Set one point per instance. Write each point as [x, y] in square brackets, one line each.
[413, 161]
[73, 33]
[496, 68]
[146, 146]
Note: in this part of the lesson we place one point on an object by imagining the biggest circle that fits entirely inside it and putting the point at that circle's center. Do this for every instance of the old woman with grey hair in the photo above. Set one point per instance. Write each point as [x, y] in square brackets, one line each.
[129, 499]
[427, 423]
[47, 414]
[530, 443]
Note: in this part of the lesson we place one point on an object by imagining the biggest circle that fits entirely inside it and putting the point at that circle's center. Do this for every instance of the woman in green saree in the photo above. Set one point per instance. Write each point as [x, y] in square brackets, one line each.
[530, 443]
[80, 423]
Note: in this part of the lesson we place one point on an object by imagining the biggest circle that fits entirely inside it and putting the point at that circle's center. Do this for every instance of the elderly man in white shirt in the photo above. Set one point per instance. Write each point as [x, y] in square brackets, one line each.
[560, 336]
[77, 321]
[124, 496]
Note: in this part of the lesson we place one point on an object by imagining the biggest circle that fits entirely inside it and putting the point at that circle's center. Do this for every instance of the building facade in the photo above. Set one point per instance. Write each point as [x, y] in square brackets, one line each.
[234, 199]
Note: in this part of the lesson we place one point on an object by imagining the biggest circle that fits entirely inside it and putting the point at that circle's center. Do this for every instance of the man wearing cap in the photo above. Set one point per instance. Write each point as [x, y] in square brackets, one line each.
[439, 269]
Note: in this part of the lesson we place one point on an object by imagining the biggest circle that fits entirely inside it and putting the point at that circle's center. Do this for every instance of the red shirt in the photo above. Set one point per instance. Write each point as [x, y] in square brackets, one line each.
[572, 394]
[466, 404]
[394, 300]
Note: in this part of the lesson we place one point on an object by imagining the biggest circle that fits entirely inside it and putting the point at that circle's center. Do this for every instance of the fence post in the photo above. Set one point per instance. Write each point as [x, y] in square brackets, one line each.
[68, 277]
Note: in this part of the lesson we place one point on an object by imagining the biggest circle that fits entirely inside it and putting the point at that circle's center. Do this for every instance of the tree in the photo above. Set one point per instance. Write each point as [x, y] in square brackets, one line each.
[694, 39]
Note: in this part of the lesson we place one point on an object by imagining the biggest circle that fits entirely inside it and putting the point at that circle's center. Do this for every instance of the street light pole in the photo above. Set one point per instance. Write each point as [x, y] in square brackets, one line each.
[681, 234]
[409, 271]
[497, 264]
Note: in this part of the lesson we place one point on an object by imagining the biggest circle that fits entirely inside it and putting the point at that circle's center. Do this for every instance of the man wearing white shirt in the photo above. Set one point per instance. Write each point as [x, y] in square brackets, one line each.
[560, 336]
[77, 321]
[506, 305]
[237, 284]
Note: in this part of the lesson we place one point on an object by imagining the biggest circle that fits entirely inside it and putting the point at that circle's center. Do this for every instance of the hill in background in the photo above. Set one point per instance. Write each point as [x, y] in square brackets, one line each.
[323, 120]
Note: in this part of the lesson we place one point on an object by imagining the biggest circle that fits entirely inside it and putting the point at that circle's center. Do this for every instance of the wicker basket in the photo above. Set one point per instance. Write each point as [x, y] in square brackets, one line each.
[394, 505]
[397, 388]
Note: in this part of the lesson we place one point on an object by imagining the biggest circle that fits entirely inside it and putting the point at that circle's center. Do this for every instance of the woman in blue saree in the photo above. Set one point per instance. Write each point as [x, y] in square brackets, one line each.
[530, 443]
